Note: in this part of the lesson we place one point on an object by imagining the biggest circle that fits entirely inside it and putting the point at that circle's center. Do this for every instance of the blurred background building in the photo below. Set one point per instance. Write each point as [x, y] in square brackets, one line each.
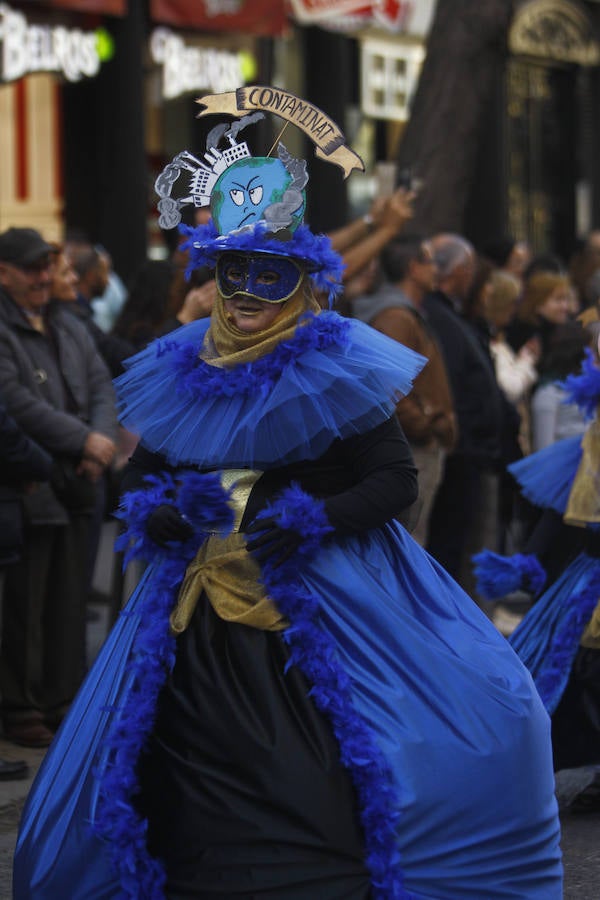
[97, 95]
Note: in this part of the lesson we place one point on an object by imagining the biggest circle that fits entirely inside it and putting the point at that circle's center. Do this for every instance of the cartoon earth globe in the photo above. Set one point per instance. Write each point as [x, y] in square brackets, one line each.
[246, 188]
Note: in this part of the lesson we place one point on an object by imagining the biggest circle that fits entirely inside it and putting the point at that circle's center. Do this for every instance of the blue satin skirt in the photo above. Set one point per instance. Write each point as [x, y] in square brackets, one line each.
[547, 639]
[455, 713]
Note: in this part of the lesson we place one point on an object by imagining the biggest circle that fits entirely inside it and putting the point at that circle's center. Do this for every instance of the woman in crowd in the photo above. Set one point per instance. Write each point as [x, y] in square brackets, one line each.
[509, 256]
[147, 302]
[546, 304]
[297, 700]
[552, 418]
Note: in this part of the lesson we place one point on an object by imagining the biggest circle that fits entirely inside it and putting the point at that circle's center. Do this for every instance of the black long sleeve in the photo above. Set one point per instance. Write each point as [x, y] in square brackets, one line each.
[385, 480]
[365, 481]
[141, 463]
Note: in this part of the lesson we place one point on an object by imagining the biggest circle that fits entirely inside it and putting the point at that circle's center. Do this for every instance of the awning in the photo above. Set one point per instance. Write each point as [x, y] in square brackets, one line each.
[107, 7]
[257, 17]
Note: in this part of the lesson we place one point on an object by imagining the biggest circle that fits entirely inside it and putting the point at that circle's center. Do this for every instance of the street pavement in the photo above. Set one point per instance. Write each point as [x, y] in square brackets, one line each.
[580, 831]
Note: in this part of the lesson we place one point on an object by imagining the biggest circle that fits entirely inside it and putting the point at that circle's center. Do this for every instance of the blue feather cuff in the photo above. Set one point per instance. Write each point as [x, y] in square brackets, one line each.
[199, 497]
[294, 510]
[498, 575]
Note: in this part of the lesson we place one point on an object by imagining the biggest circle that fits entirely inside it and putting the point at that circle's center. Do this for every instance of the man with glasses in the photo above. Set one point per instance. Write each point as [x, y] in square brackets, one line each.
[58, 390]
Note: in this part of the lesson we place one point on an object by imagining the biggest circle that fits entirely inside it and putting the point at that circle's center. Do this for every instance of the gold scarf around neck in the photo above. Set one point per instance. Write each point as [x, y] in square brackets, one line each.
[226, 346]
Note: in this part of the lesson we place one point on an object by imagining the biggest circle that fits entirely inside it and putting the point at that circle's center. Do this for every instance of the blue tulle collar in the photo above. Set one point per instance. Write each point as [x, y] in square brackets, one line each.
[333, 379]
[205, 380]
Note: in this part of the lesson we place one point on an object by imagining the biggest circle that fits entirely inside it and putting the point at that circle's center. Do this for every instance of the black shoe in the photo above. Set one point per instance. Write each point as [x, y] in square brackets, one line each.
[13, 769]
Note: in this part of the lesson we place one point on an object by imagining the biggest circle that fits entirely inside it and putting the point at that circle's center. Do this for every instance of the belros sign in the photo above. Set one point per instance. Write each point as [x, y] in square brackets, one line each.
[27, 48]
[188, 68]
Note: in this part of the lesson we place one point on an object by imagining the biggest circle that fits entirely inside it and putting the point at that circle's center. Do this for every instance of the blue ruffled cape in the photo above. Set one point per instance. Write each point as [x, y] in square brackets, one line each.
[333, 379]
[546, 477]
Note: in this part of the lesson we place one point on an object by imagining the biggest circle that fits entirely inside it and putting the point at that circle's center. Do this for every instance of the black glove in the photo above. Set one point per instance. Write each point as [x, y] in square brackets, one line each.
[273, 543]
[166, 524]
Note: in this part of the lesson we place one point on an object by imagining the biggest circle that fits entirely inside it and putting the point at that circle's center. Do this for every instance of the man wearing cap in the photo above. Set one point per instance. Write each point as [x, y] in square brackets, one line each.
[58, 390]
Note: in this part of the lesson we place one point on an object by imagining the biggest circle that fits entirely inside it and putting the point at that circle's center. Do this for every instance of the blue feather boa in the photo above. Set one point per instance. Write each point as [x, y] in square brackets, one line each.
[584, 389]
[203, 500]
[315, 654]
[498, 575]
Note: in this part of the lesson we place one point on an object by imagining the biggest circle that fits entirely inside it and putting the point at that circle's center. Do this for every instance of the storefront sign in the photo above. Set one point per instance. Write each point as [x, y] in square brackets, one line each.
[390, 71]
[29, 48]
[188, 68]
[256, 17]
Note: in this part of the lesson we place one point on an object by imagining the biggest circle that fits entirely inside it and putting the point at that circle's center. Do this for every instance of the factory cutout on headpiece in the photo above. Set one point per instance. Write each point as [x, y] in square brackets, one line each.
[257, 203]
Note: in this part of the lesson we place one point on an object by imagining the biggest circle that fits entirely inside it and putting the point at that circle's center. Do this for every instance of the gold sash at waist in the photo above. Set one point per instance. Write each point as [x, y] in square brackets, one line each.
[584, 500]
[225, 571]
[229, 576]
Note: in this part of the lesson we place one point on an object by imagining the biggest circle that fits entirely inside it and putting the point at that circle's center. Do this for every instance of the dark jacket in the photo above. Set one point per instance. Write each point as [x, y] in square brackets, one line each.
[57, 388]
[427, 413]
[477, 398]
[22, 461]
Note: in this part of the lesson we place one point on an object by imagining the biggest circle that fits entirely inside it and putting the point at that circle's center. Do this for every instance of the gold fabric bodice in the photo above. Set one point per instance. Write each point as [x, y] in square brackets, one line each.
[226, 573]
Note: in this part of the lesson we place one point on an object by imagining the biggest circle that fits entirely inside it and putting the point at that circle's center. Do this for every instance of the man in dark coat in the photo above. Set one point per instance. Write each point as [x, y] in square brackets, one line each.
[478, 406]
[58, 389]
[22, 462]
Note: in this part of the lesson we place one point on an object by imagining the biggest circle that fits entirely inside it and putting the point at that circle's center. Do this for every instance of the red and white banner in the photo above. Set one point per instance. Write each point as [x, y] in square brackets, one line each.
[316, 10]
[257, 17]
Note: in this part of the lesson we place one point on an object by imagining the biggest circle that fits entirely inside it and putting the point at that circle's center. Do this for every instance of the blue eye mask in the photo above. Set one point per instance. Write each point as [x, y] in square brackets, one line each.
[273, 279]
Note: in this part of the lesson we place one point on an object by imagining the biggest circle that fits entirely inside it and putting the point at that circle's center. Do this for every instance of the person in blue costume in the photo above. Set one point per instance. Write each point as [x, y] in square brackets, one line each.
[296, 701]
[559, 638]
